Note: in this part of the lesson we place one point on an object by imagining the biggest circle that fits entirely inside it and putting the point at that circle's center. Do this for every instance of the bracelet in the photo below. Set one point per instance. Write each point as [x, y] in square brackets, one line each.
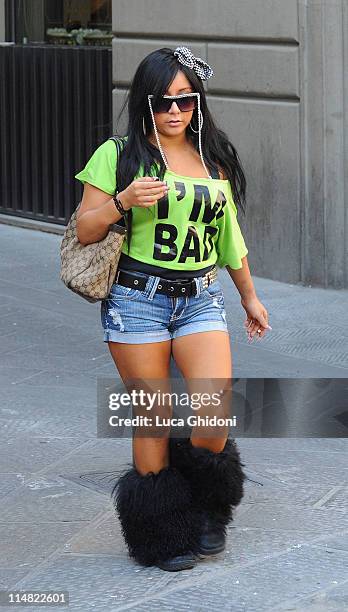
[119, 205]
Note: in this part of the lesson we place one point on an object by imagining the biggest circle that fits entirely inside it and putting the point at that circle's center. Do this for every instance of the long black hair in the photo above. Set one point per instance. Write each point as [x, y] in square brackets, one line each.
[154, 75]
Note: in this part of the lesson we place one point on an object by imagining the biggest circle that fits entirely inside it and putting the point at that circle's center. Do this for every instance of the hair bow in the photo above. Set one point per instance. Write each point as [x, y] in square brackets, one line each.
[186, 57]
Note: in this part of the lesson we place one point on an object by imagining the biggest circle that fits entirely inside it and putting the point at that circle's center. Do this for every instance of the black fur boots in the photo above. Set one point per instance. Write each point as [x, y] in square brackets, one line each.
[216, 481]
[170, 518]
[159, 523]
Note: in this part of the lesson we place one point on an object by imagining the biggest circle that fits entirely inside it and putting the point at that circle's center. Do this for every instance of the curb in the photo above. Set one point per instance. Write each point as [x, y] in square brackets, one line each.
[33, 224]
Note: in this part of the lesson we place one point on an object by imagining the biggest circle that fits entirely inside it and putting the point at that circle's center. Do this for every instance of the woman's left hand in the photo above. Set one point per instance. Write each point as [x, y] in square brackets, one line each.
[257, 317]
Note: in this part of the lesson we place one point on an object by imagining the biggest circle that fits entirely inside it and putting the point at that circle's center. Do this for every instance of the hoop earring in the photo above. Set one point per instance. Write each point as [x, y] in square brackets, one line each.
[200, 123]
[144, 127]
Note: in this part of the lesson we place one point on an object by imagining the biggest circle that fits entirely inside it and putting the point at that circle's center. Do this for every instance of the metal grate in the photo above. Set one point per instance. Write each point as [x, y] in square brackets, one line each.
[55, 109]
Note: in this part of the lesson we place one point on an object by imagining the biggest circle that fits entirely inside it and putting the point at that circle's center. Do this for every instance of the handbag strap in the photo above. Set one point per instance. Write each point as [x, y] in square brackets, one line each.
[120, 144]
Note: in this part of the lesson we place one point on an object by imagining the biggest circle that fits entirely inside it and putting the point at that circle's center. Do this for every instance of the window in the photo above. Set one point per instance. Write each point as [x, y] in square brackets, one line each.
[29, 21]
[78, 13]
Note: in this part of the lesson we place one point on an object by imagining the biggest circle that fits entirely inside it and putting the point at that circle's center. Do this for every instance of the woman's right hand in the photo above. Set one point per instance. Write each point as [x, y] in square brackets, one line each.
[143, 192]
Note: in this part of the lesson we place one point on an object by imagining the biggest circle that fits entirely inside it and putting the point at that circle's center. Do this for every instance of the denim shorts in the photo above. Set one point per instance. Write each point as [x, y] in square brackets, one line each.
[134, 316]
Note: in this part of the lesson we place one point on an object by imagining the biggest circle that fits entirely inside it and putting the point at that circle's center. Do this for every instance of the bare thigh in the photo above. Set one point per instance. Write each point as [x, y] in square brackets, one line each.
[205, 355]
[147, 361]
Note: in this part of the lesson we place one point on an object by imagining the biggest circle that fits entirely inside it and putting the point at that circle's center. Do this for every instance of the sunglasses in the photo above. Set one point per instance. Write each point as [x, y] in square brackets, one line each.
[186, 102]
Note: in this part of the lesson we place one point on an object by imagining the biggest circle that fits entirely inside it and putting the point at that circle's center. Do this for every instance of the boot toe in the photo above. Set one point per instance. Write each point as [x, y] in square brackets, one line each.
[211, 543]
[180, 562]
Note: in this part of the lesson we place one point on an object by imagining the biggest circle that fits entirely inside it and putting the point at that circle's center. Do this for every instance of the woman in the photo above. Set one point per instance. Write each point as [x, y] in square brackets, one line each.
[176, 501]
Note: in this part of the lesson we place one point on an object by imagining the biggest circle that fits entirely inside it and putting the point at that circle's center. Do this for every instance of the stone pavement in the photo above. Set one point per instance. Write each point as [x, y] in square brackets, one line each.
[288, 545]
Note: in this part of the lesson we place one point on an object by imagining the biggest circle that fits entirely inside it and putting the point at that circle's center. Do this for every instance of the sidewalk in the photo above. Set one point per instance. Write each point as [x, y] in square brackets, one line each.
[288, 545]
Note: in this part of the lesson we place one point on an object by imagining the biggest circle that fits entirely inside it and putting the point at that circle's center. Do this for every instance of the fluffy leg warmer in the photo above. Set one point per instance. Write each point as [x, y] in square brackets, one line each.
[216, 479]
[156, 514]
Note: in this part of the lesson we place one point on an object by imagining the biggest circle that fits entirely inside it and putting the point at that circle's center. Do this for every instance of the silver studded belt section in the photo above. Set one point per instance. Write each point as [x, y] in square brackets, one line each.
[165, 286]
[210, 277]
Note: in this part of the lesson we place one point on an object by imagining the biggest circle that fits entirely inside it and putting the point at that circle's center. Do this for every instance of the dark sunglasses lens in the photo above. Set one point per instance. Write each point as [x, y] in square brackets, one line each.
[162, 105]
[187, 104]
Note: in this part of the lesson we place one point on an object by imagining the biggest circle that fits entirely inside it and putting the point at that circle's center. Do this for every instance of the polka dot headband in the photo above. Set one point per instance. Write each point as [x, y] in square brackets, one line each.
[186, 57]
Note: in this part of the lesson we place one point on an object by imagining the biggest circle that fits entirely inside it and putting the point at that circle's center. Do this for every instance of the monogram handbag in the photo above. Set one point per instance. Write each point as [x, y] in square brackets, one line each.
[89, 270]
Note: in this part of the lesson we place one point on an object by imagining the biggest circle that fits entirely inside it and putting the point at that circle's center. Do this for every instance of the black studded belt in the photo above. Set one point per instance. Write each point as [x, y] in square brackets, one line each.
[168, 287]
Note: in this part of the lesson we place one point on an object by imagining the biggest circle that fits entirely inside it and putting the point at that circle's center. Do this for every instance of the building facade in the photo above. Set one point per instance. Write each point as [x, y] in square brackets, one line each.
[279, 92]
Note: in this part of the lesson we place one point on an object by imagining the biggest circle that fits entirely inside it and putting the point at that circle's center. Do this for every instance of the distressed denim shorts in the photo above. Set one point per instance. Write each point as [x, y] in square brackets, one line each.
[134, 316]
